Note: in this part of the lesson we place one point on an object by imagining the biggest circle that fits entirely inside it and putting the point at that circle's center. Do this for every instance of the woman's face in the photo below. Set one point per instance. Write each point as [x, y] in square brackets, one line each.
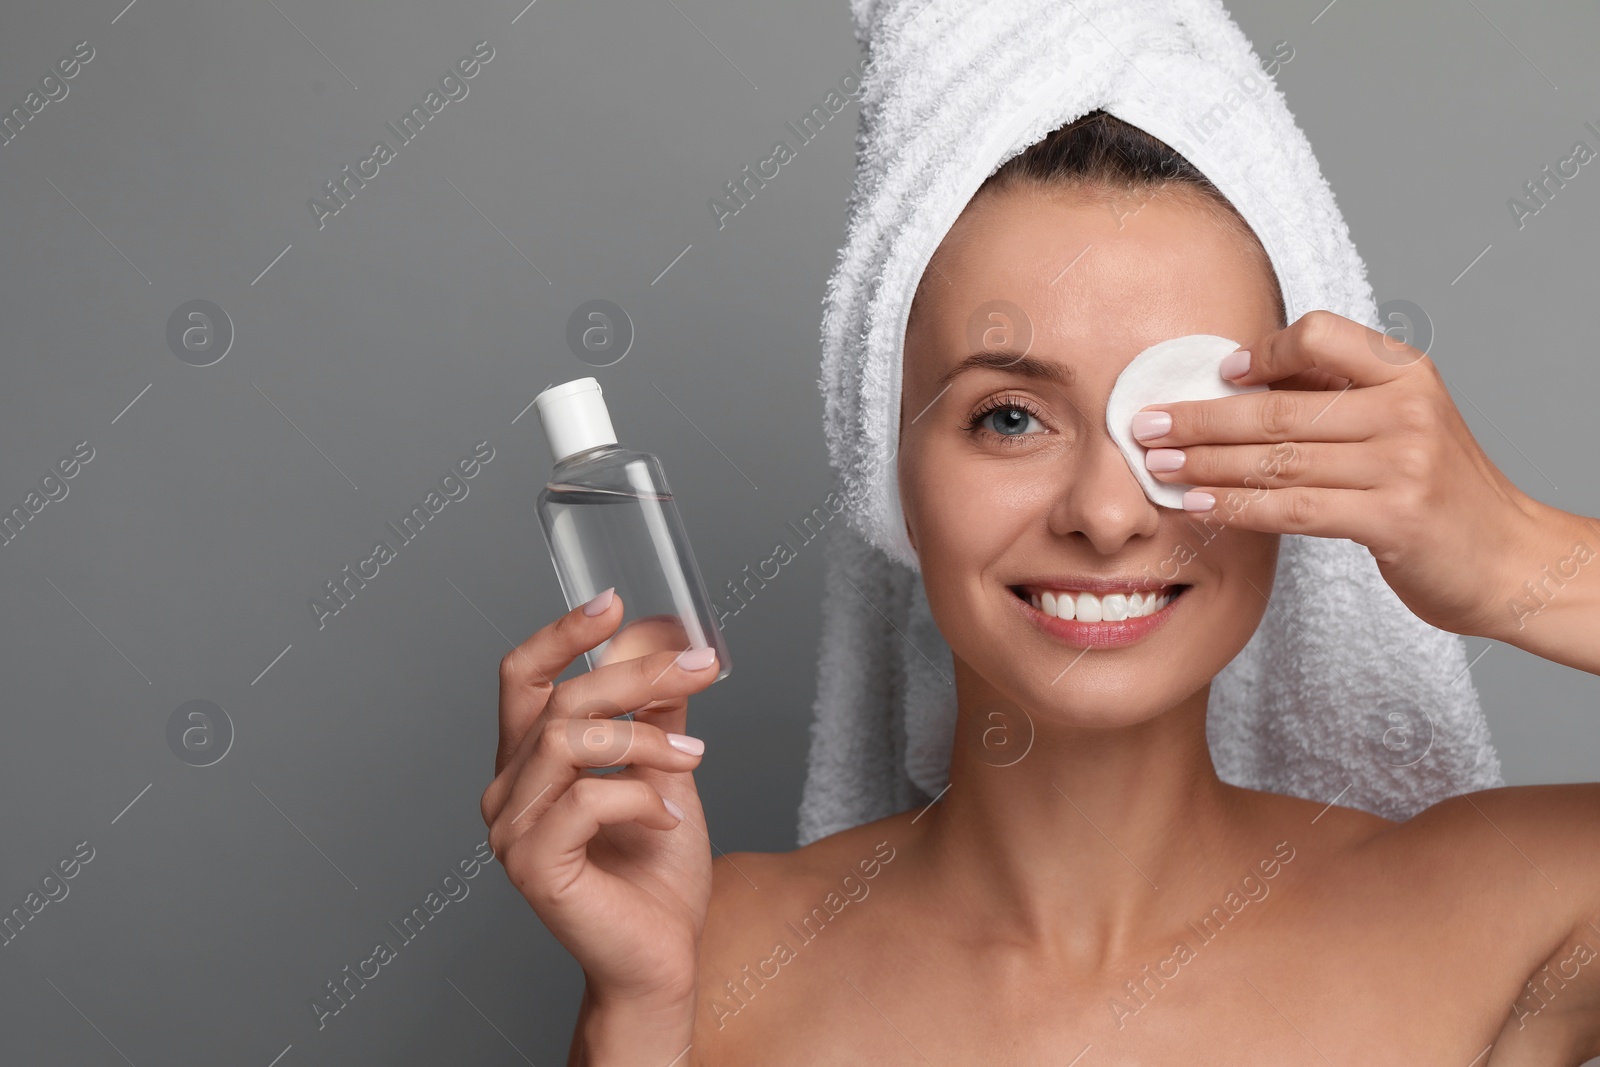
[1010, 481]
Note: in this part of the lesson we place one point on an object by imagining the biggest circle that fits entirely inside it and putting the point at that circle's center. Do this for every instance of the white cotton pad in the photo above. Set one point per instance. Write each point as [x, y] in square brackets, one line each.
[1183, 368]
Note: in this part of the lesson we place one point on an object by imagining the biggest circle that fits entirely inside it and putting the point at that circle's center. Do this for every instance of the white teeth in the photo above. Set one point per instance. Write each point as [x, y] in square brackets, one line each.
[1087, 607]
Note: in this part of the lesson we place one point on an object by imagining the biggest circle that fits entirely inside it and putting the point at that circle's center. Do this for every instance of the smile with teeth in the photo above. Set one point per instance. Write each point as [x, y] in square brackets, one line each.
[1089, 607]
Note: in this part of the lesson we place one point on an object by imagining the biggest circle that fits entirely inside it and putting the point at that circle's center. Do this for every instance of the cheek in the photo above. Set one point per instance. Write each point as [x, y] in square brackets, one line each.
[1239, 565]
[969, 510]
[1253, 554]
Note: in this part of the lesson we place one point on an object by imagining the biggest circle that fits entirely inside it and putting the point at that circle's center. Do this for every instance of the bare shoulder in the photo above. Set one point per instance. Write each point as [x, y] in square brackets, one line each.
[1520, 861]
[1530, 849]
[1518, 839]
[1525, 862]
[748, 885]
[1334, 824]
[1537, 844]
[1488, 899]
[764, 905]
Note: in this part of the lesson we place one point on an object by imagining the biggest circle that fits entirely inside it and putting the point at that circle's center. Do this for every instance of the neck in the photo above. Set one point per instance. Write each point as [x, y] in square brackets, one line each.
[1081, 840]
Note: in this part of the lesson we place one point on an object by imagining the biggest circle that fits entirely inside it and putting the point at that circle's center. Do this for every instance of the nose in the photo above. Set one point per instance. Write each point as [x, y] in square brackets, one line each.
[1100, 498]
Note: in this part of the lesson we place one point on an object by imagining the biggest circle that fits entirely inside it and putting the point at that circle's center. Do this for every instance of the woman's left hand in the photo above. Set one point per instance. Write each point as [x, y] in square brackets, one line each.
[1357, 437]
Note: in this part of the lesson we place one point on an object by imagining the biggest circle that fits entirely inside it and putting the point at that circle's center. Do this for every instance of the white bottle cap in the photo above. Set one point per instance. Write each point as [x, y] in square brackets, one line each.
[575, 417]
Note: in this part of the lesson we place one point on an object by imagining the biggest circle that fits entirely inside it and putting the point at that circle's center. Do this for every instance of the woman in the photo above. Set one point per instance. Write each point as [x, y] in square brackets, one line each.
[1056, 892]
[1107, 898]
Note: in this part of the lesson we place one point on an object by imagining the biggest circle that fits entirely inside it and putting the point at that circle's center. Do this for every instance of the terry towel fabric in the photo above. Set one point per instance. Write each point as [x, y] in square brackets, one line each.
[1342, 694]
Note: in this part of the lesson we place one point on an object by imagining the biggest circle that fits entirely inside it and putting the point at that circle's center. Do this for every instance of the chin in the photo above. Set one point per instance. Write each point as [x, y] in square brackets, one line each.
[1117, 712]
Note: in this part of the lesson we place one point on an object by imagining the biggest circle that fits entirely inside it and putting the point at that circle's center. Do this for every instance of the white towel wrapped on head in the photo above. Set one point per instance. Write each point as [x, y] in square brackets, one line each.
[1342, 693]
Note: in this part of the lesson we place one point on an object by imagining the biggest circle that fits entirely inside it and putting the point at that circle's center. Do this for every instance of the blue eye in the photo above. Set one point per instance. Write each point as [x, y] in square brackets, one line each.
[1004, 418]
[1015, 420]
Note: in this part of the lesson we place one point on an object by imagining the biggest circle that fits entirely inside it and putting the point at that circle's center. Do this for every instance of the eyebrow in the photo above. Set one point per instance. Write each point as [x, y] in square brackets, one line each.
[1016, 363]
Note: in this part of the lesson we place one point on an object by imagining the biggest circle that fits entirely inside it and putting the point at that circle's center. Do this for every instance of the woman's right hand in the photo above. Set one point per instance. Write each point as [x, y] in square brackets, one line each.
[607, 865]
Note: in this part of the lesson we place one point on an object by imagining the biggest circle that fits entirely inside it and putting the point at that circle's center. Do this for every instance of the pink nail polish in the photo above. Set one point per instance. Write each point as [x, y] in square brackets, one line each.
[677, 812]
[1234, 364]
[1195, 500]
[698, 659]
[1163, 459]
[601, 602]
[1147, 424]
[684, 743]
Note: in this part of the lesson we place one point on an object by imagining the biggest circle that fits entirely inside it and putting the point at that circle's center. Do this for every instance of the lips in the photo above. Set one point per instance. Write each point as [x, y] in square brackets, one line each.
[1111, 606]
[1094, 630]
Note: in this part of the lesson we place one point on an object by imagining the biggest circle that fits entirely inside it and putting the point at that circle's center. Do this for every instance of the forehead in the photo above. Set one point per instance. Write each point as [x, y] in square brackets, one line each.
[1084, 275]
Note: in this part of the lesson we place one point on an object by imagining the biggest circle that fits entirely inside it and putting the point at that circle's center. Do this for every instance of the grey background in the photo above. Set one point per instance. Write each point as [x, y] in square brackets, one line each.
[179, 565]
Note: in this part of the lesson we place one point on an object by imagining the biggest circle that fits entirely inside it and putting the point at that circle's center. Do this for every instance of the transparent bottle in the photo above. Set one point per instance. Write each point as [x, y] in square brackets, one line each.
[609, 520]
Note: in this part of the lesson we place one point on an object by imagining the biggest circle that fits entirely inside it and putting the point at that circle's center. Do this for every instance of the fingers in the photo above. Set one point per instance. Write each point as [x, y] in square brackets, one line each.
[557, 850]
[663, 679]
[1276, 466]
[562, 751]
[528, 671]
[1270, 415]
[1299, 510]
[659, 678]
[1321, 340]
[556, 847]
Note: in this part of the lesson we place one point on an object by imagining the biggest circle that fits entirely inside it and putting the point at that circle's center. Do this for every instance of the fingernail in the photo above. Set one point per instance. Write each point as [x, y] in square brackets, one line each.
[1195, 500]
[1163, 459]
[698, 659]
[677, 812]
[684, 743]
[1235, 364]
[601, 602]
[1151, 424]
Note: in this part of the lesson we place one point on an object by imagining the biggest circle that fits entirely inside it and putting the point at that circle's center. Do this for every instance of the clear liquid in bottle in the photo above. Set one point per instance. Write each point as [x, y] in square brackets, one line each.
[609, 520]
